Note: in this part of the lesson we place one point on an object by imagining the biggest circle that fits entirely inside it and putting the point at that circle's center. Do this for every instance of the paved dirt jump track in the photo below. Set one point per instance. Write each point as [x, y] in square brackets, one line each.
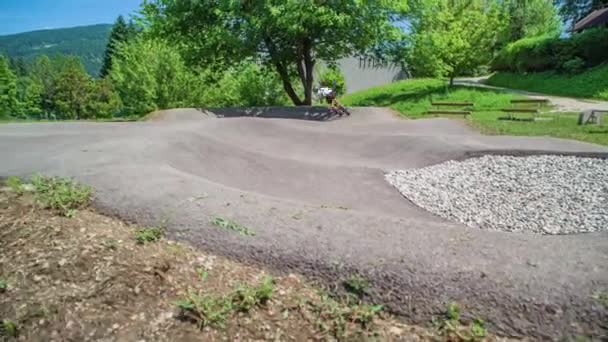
[314, 193]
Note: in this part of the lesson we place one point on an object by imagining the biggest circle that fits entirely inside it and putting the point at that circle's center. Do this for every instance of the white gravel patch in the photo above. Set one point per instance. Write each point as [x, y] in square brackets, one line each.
[539, 194]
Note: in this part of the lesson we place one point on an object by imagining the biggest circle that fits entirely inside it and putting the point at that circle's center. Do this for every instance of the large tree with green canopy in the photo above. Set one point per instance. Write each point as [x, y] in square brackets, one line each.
[287, 35]
[451, 38]
[530, 18]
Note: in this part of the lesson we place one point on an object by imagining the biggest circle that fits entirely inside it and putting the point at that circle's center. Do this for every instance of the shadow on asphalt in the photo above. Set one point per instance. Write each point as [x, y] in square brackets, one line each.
[314, 113]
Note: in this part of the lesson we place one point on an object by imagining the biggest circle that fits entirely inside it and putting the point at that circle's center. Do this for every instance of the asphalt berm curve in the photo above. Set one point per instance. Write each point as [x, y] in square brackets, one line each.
[313, 191]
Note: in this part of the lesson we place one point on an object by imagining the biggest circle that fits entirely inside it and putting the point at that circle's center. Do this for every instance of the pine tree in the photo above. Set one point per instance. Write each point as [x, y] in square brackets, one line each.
[43, 73]
[19, 66]
[121, 32]
[9, 105]
[71, 90]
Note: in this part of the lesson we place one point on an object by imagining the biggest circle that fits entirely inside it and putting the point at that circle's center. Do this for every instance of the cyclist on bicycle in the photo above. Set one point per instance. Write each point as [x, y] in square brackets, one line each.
[330, 96]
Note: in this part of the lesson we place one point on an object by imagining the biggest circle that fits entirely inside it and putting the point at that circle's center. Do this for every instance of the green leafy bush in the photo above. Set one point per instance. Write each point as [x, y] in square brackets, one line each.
[330, 75]
[581, 50]
[574, 65]
[527, 54]
[246, 84]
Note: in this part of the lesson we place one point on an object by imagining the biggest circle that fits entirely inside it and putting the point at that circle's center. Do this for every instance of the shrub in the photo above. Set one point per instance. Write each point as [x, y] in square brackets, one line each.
[574, 65]
[247, 84]
[591, 46]
[572, 54]
[528, 54]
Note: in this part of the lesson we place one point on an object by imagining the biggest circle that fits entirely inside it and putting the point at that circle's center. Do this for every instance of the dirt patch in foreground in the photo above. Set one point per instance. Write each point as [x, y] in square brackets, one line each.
[87, 278]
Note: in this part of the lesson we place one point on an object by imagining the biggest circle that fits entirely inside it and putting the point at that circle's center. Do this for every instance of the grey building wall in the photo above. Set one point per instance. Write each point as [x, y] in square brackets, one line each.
[362, 73]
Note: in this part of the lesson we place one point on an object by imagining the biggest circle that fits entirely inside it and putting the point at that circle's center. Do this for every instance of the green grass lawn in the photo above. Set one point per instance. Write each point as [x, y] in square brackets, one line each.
[14, 120]
[412, 98]
[592, 83]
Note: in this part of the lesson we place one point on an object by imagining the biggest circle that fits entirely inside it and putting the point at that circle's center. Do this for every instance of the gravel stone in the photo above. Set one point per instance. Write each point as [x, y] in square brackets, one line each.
[544, 194]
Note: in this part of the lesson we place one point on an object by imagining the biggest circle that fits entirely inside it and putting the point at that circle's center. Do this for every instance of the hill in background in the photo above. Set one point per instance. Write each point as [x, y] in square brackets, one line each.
[86, 42]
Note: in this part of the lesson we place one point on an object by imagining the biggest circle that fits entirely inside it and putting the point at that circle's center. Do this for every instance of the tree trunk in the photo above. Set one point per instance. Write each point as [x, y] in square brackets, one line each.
[287, 84]
[451, 81]
[283, 73]
[305, 67]
[309, 64]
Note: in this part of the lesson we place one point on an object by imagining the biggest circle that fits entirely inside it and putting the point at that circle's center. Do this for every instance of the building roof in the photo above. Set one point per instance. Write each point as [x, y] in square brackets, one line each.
[595, 18]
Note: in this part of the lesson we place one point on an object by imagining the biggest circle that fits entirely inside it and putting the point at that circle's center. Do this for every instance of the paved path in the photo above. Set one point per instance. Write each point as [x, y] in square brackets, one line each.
[562, 104]
[315, 196]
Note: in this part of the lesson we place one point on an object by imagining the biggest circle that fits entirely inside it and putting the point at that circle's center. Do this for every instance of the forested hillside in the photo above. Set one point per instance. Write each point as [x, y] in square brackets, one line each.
[86, 42]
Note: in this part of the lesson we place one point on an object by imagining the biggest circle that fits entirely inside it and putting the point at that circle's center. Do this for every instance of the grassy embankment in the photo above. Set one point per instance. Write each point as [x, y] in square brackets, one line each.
[412, 98]
[591, 84]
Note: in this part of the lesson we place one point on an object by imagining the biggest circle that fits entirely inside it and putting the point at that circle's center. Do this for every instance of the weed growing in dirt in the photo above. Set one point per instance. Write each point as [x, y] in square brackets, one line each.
[111, 244]
[177, 250]
[8, 329]
[212, 310]
[356, 285]
[450, 326]
[478, 329]
[246, 297]
[232, 225]
[297, 216]
[60, 194]
[205, 309]
[602, 297]
[343, 319]
[453, 312]
[15, 184]
[202, 273]
[3, 285]
[149, 234]
[365, 313]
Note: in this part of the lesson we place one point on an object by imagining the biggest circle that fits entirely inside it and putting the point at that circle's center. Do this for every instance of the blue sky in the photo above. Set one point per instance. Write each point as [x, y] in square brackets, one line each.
[28, 15]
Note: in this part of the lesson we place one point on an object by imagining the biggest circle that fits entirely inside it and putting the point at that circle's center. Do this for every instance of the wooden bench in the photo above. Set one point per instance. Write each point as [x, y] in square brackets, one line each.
[594, 116]
[450, 112]
[524, 102]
